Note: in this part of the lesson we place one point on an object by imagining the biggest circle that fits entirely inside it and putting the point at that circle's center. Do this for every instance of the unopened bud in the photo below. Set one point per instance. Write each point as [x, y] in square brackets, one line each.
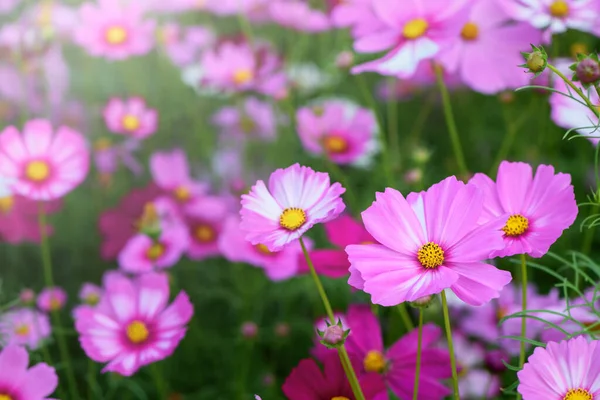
[413, 176]
[249, 330]
[535, 61]
[282, 329]
[588, 71]
[423, 302]
[333, 335]
[506, 97]
[421, 155]
[27, 296]
[344, 60]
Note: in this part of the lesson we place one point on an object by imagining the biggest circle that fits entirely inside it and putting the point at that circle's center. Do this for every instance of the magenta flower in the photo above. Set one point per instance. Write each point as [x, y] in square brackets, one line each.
[296, 199]
[19, 218]
[308, 382]
[486, 50]
[298, 15]
[430, 241]
[339, 130]
[25, 327]
[44, 165]
[254, 119]
[413, 32]
[90, 294]
[567, 370]
[183, 45]
[51, 299]
[133, 326]
[130, 117]
[110, 29]
[19, 383]
[538, 208]
[204, 219]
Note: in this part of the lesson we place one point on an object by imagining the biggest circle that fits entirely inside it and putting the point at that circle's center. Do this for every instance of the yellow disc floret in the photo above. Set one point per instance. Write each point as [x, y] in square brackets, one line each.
[243, 75]
[137, 332]
[415, 28]
[578, 394]
[205, 233]
[22, 330]
[430, 255]
[116, 35]
[37, 171]
[131, 122]
[335, 144]
[470, 31]
[292, 218]
[155, 251]
[516, 225]
[374, 361]
[6, 203]
[559, 9]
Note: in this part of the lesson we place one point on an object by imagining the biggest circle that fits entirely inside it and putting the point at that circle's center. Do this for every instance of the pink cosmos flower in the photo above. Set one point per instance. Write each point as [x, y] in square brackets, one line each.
[45, 166]
[130, 117]
[487, 49]
[52, 299]
[397, 364]
[475, 382]
[539, 207]
[27, 296]
[110, 29]
[18, 382]
[25, 327]
[296, 199]
[413, 32]
[19, 218]
[358, 15]
[566, 370]
[278, 265]
[183, 44]
[430, 241]
[204, 219]
[132, 326]
[298, 15]
[254, 10]
[108, 156]
[339, 130]
[6, 6]
[308, 382]
[254, 119]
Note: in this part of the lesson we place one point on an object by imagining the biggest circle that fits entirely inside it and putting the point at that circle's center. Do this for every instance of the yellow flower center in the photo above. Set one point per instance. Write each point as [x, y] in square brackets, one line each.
[116, 35]
[374, 361]
[21, 330]
[559, 9]
[130, 122]
[470, 31]
[516, 225]
[578, 394]
[242, 76]
[137, 332]
[205, 233]
[333, 398]
[430, 255]
[6, 203]
[501, 313]
[155, 251]
[92, 299]
[261, 248]
[55, 304]
[182, 193]
[292, 218]
[335, 144]
[102, 144]
[578, 48]
[37, 171]
[415, 28]
[5, 397]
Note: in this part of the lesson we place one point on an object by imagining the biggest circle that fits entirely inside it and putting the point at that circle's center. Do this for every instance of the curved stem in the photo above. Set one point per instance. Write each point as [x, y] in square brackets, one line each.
[418, 364]
[450, 345]
[408, 324]
[450, 122]
[575, 89]
[350, 373]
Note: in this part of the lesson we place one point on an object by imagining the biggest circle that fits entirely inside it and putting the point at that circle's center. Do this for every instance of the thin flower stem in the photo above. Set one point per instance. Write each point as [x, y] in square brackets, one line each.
[350, 373]
[588, 236]
[450, 122]
[49, 280]
[408, 324]
[159, 381]
[524, 308]
[576, 89]
[450, 345]
[418, 364]
[392, 120]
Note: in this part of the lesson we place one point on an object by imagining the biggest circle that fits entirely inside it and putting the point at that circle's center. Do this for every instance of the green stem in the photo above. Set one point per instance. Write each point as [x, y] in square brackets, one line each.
[524, 308]
[417, 127]
[588, 236]
[575, 89]
[408, 324]
[350, 373]
[49, 280]
[159, 381]
[392, 116]
[450, 122]
[450, 345]
[418, 364]
[509, 138]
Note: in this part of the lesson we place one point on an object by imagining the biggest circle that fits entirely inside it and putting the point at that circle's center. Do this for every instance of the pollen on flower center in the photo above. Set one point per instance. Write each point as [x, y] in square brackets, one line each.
[155, 251]
[501, 313]
[131, 122]
[37, 171]
[578, 394]
[243, 75]
[116, 35]
[55, 304]
[137, 332]
[335, 144]
[182, 193]
[415, 28]
[5, 397]
[559, 9]
[374, 361]
[333, 398]
[205, 233]
[21, 330]
[430, 255]
[292, 218]
[470, 31]
[6, 203]
[516, 225]
[262, 249]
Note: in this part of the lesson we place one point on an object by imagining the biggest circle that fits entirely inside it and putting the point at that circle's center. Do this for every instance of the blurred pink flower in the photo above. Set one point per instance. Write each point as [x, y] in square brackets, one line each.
[339, 130]
[51, 299]
[254, 10]
[131, 117]
[356, 14]
[7, 6]
[254, 118]
[25, 327]
[298, 15]
[474, 382]
[535, 209]
[27, 296]
[44, 164]
[249, 329]
[19, 218]
[204, 219]
[18, 382]
[90, 293]
[132, 326]
[110, 29]
[108, 156]
[183, 44]
[296, 199]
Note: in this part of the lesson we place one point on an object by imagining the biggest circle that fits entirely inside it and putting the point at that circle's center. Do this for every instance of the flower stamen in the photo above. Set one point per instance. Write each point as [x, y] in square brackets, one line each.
[374, 361]
[559, 9]
[292, 218]
[430, 255]
[470, 31]
[137, 332]
[37, 171]
[578, 394]
[516, 225]
[415, 28]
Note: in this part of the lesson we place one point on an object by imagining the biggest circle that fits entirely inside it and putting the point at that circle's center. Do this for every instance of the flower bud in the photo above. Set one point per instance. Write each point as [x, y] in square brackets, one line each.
[249, 330]
[344, 60]
[535, 61]
[413, 176]
[423, 302]
[333, 335]
[282, 329]
[588, 71]
[27, 296]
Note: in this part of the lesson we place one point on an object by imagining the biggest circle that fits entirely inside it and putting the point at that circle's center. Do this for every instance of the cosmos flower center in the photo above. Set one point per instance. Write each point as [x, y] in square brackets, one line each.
[578, 394]
[55, 304]
[21, 330]
[430, 255]
[131, 122]
[102, 144]
[6, 203]
[205, 233]
[516, 225]
[415, 28]
[5, 397]
[116, 35]
[37, 171]
[292, 218]
[374, 361]
[242, 75]
[470, 31]
[137, 332]
[333, 398]
[559, 9]
[335, 144]
[92, 299]
[262, 249]
[155, 251]
[182, 193]
[501, 312]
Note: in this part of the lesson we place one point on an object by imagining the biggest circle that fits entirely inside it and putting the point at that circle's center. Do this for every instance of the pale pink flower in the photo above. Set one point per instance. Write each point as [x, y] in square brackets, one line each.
[255, 118]
[19, 218]
[25, 327]
[358, 15]
[131, 117]
[254, 10]
[19, 383]
[298, 15]
[183, 44]
[51, 299]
